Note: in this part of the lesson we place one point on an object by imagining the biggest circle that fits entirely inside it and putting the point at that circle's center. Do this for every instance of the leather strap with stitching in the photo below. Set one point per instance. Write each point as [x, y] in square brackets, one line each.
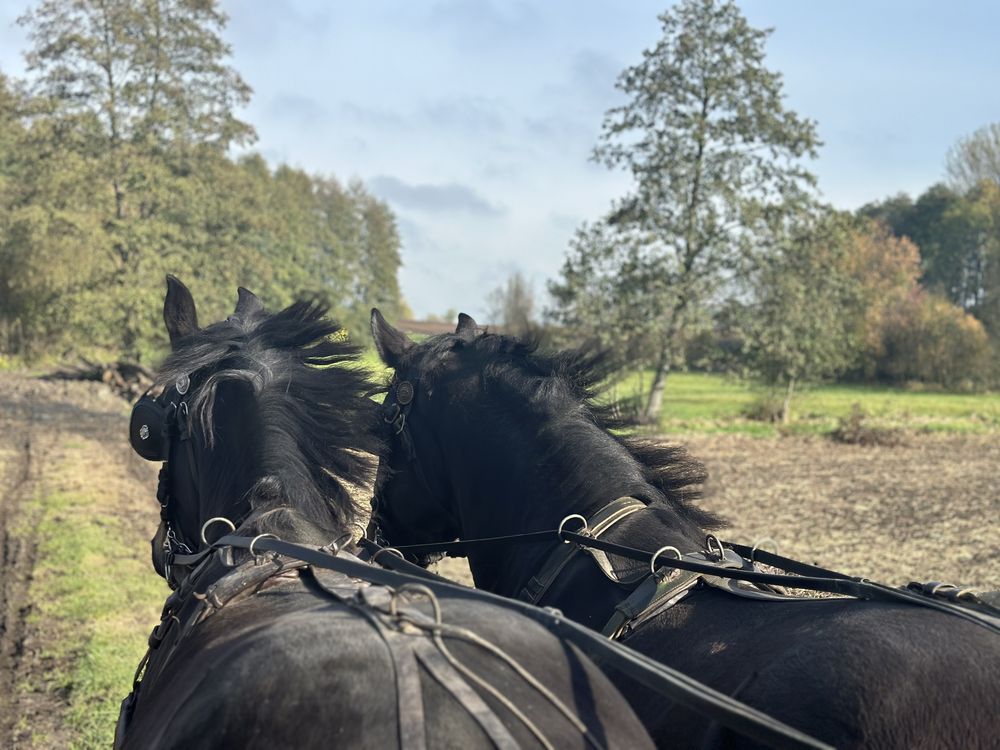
[562, 554]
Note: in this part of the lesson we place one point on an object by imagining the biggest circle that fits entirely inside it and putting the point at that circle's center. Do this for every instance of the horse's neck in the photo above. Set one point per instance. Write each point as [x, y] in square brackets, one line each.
[289, 525]
[567, 466]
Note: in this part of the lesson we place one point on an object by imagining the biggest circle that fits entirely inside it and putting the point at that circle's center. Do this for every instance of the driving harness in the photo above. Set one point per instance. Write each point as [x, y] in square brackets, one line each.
[652, 592]
[406, 618]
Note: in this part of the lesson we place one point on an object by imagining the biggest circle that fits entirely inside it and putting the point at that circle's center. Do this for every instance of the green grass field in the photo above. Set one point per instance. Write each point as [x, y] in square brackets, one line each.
[700, 402]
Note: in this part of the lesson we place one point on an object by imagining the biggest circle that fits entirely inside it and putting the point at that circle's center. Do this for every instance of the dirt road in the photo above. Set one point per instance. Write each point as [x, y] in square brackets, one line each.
[56, 438]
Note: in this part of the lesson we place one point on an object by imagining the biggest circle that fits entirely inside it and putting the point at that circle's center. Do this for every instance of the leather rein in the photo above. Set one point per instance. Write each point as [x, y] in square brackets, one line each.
[729, 566]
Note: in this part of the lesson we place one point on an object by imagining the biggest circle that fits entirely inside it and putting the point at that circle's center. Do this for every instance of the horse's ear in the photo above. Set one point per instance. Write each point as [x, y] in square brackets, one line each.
[390, 343]
[466, 328]
[178, 310]
[248, 303]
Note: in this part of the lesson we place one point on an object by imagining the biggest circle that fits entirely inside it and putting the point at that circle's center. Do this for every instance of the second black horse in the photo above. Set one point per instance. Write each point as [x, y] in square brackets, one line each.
[498, 439]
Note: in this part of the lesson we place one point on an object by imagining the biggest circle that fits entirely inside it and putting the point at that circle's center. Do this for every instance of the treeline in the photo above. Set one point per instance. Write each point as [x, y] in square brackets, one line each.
[723, 256]
[116, 168]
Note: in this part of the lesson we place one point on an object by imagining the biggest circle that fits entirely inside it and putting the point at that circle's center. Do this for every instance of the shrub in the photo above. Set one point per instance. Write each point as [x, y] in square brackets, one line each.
[852, 430]
[764, 408]
[926, 338]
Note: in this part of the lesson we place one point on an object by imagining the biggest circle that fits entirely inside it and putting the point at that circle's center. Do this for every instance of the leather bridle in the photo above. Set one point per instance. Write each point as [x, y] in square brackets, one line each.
[396, 408]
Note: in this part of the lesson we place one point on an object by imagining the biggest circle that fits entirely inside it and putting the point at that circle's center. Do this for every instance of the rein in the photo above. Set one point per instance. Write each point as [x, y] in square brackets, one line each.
[959, 602]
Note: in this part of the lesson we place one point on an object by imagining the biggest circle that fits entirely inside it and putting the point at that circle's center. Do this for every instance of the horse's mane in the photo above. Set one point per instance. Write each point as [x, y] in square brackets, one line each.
[317, 427]
[581, 374]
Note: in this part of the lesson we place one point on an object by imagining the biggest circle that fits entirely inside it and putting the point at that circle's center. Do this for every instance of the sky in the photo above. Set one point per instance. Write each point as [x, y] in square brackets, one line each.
[475, 120]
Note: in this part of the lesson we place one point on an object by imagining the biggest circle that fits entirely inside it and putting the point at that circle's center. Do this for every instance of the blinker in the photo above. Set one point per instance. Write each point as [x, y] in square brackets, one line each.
[148, 429]
[152, 419]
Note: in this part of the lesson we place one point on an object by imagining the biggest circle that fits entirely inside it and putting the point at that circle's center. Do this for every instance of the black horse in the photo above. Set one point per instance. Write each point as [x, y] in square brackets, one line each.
[496, 439]
[264, 424]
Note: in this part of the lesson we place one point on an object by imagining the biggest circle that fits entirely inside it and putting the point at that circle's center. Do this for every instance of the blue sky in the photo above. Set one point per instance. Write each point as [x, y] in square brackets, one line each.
[475, 119]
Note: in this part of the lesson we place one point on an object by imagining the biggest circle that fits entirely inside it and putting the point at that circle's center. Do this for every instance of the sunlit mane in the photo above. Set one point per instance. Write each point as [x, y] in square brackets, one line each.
[308, 391]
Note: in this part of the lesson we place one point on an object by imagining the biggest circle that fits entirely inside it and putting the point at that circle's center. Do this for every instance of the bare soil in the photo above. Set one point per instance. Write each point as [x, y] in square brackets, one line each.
[40, 421]
[929, 509]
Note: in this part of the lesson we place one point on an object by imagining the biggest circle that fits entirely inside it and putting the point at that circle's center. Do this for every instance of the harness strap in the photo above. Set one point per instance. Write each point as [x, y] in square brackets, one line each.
[860, 588]
[435, 663]
[409, 696]
[668, 682]
[406, 648]
[654, 594]
[562, 554]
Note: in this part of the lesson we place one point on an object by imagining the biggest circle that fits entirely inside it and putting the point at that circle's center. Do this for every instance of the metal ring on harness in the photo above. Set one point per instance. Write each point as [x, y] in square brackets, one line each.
[708, 545]
[756, 546]
[334, 547]
[216, 519]
[660, 551]
[254, 541]
[362, 529]
[582, 530]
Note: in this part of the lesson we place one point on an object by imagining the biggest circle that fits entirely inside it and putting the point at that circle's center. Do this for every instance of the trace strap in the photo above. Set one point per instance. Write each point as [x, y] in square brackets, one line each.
[811, 577]
[830, 582]
[722, 708]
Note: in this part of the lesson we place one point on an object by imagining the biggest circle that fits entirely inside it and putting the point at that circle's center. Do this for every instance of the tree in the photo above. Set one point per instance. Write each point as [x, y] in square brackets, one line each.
[959, 240]
[512, 305]
[139, 93]
[886, 269]
[975, 159]
[146, 72]
[115, 171]
[928, 339]
[716, 162]
[800, 325]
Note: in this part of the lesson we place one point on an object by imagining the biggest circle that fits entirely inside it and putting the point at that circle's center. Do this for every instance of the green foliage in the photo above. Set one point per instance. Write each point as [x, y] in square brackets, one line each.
[715, 158]
[959, 239]
[800, 324]
[927, 339]
[114, 171]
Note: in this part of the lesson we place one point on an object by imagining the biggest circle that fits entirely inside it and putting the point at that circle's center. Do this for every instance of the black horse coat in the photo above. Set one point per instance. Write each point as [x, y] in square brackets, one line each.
[294, 666]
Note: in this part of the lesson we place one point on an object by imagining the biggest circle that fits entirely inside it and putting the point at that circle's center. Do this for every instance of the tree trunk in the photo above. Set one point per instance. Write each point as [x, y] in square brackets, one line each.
[786, 404]
[655, 402]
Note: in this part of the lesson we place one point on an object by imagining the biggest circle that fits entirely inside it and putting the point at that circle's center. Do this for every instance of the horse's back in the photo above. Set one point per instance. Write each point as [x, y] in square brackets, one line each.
[291, 667]
[855, 674]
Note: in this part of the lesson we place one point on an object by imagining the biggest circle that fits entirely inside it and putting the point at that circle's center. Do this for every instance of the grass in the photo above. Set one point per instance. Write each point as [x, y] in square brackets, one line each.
[701, 402]
[95, 599]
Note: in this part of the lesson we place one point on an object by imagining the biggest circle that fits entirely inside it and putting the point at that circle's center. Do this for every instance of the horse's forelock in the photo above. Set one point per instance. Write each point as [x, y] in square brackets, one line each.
[315, 408]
